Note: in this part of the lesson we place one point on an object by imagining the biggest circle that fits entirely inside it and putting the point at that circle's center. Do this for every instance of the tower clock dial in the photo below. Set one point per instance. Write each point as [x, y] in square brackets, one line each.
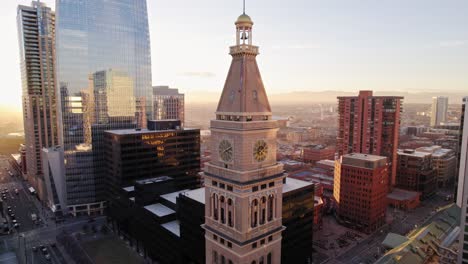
[225, 150]
[260, 150]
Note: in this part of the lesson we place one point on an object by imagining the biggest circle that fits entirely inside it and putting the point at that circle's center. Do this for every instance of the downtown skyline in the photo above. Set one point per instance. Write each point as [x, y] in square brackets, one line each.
[385, 46]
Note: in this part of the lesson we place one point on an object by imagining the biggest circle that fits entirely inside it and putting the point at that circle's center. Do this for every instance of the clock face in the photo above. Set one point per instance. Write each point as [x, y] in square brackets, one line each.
[260, 150]
[225, 150]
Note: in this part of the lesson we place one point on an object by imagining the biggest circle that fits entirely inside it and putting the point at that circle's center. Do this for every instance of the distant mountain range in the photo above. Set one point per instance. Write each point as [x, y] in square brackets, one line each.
[330, 96]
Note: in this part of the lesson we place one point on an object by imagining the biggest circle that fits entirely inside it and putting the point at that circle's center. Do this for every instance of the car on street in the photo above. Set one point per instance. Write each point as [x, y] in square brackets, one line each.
[34, 249]
[16, 225]
[47, 256]
[43, 249]
[17, 191]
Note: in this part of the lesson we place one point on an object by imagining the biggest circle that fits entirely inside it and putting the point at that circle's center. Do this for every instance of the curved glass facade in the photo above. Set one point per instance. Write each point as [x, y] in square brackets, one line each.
[104, 82]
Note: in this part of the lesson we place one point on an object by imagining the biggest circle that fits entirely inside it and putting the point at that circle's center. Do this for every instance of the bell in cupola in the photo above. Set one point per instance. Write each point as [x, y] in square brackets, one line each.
[244, 36]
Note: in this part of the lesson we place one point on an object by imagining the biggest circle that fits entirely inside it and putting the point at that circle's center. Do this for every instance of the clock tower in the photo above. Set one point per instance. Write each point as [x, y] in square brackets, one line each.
[243, 181]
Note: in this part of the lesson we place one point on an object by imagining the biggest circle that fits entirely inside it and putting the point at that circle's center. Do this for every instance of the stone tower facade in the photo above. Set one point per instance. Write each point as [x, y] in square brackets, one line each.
[243, 180]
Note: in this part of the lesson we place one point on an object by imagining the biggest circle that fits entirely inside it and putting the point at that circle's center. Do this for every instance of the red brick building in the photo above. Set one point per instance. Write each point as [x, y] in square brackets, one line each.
[403, 199]
[314, 153]
[370, 124]
[360, 190]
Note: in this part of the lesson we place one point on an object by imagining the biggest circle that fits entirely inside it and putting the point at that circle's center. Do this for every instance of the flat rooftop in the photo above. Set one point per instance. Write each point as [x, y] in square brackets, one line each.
[171, 197]
[413, 153]
[290, 162]
[129, 188]
[294, 184]
[197, 195]
[362, 156]
[361, 160]
[154, 180]
[173, 227]
[120, 132]
[402, 195]
[159, 210]
[327, 162]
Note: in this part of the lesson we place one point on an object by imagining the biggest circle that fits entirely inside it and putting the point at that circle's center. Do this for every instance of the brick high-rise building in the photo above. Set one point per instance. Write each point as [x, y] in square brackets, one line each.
[371, 125]
[360, 190]
[243, 180]
[36, 32]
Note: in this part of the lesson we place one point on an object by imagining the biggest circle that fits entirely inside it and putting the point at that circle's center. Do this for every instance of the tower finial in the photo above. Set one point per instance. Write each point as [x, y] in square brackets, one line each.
[243, 9]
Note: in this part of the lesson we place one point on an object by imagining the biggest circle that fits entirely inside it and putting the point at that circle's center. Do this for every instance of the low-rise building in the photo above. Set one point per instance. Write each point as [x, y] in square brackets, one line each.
[444, 161]
[314, 153]
[403, 199]
[415, 172]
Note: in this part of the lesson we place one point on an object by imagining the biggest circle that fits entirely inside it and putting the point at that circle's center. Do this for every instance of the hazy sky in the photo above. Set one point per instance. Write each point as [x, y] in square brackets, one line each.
[404, 45]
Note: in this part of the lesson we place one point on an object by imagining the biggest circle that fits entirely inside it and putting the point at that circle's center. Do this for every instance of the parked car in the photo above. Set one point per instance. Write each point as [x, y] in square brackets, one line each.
[47, 256]
[34, 249]
[17, 225]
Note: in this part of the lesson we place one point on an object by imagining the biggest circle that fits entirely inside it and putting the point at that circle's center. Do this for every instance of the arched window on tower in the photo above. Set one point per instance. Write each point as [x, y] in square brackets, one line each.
[215, 206]
[223, 212]
[261, 260]
[254, 213]
[271, 203]
[263, 210]
[230, 212]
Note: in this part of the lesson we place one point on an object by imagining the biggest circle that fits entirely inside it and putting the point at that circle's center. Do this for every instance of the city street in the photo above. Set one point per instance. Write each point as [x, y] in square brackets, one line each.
[33, 243]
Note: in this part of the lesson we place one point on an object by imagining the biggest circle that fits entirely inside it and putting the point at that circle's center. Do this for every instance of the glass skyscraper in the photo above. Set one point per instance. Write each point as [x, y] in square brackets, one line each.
[104, 79]
[36, 35]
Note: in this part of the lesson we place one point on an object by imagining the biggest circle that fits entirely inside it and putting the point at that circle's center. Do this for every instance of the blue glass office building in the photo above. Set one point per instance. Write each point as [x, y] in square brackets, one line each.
[104, 82]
